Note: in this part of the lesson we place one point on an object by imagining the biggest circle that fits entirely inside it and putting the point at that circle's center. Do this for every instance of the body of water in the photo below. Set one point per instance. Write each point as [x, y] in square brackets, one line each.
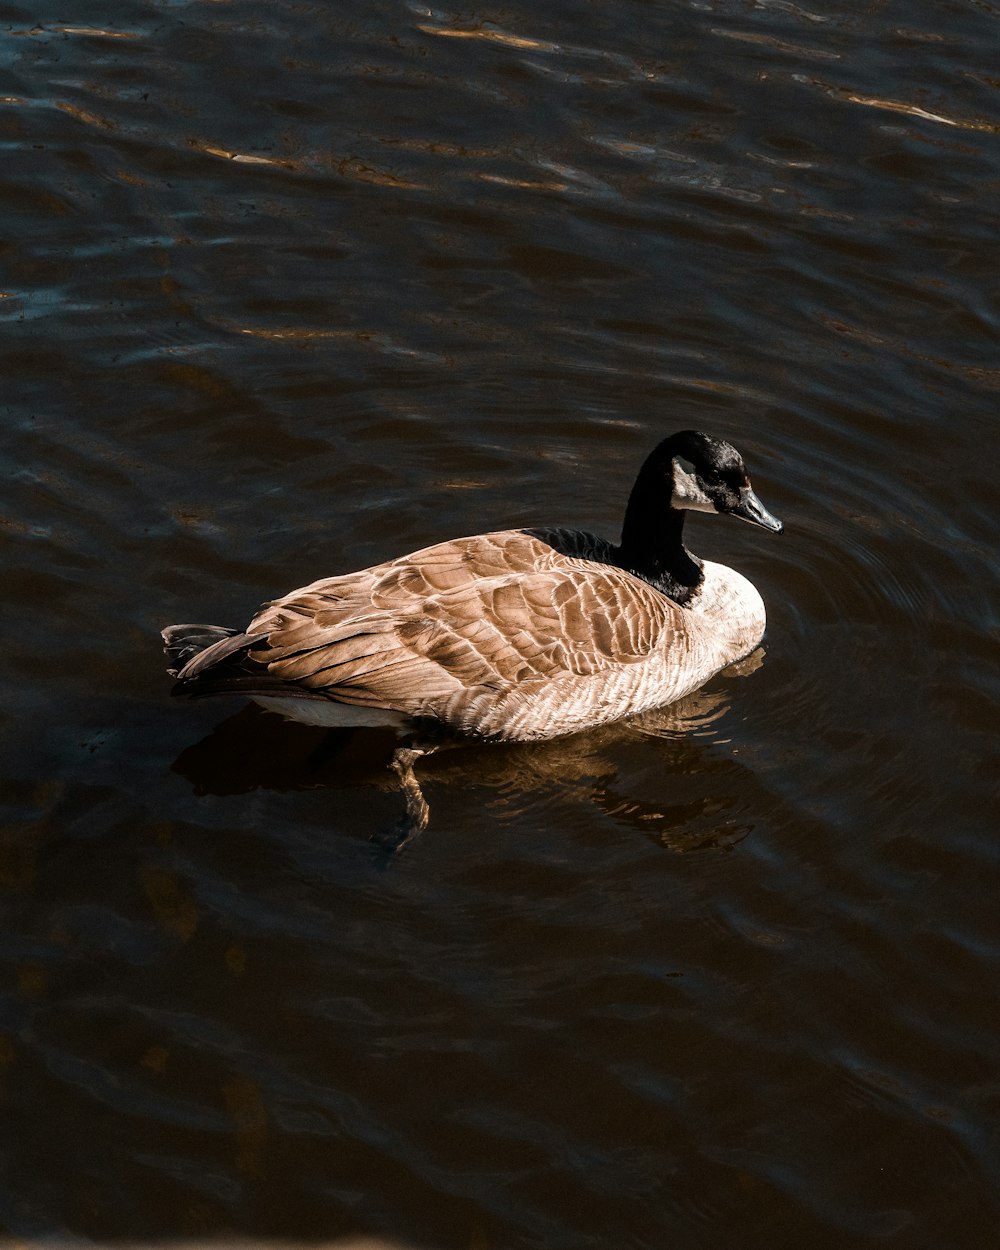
[289, 288]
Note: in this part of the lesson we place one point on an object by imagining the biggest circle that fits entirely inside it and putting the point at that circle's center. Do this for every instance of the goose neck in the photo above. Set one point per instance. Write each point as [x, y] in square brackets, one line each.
[652, 545]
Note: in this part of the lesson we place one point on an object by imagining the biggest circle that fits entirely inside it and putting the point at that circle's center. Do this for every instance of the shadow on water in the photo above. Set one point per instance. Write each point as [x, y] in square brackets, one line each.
[255, 749]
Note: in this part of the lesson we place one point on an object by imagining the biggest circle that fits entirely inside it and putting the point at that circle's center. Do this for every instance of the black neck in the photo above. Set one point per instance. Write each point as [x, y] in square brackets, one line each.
[652, 547]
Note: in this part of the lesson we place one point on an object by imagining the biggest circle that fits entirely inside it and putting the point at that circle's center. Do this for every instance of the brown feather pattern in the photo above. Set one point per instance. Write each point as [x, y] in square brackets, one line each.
[515, 634]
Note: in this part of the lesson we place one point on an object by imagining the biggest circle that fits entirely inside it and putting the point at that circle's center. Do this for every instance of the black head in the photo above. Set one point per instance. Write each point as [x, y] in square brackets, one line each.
[706, 474]
[689, 471]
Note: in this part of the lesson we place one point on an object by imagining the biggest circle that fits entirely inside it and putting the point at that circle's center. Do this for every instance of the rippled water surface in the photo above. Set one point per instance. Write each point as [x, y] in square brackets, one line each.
[291, 287]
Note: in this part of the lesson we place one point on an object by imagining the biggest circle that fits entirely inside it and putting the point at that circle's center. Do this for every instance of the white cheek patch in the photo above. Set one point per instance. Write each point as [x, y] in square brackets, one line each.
[687, 491]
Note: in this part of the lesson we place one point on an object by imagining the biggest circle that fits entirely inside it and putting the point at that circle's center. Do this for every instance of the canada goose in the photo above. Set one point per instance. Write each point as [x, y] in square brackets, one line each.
[519, 634]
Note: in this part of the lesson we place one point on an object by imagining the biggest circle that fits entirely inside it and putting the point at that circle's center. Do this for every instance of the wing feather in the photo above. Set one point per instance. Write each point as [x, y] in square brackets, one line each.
[494, 613]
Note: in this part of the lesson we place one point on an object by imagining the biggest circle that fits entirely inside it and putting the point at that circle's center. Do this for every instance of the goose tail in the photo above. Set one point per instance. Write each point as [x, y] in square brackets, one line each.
[209, 659]
[191, 649]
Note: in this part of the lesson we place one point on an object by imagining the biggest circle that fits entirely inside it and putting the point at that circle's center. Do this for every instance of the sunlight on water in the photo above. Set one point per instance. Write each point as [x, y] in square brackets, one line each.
[289, 290]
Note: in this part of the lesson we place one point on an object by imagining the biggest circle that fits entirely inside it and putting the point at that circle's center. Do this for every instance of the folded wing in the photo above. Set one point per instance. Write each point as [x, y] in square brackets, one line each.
[496, 613]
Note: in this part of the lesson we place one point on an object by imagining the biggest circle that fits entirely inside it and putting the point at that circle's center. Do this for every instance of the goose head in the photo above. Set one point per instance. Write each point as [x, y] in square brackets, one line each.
[708, 475]
[687, 472]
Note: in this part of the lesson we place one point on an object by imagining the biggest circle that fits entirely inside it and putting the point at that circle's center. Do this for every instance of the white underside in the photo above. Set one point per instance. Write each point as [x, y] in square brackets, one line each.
[330, 715]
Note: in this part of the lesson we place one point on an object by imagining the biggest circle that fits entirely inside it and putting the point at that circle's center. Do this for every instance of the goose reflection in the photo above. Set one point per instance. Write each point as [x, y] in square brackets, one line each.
[666, 750]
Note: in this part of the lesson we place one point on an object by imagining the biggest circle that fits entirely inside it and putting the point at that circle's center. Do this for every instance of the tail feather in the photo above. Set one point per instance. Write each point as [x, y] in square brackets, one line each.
[181, 643]
[209, 659]
[191, 649]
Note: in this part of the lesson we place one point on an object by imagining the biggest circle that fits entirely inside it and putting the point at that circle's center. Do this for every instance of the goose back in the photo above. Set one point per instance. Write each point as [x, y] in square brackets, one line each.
[514, 634]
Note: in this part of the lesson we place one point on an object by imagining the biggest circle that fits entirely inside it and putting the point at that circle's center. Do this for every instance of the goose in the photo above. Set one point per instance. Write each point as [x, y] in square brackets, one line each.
[518, 634]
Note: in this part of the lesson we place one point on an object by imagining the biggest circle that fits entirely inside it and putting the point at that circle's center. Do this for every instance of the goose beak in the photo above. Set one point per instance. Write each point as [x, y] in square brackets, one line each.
[751, 509]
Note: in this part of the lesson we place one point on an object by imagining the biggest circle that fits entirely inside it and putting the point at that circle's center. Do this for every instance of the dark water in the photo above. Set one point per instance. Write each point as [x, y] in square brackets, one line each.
[291, 287]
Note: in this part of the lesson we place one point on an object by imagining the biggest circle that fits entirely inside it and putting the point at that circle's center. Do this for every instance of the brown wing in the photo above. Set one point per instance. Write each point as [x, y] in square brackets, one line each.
[495, 612]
